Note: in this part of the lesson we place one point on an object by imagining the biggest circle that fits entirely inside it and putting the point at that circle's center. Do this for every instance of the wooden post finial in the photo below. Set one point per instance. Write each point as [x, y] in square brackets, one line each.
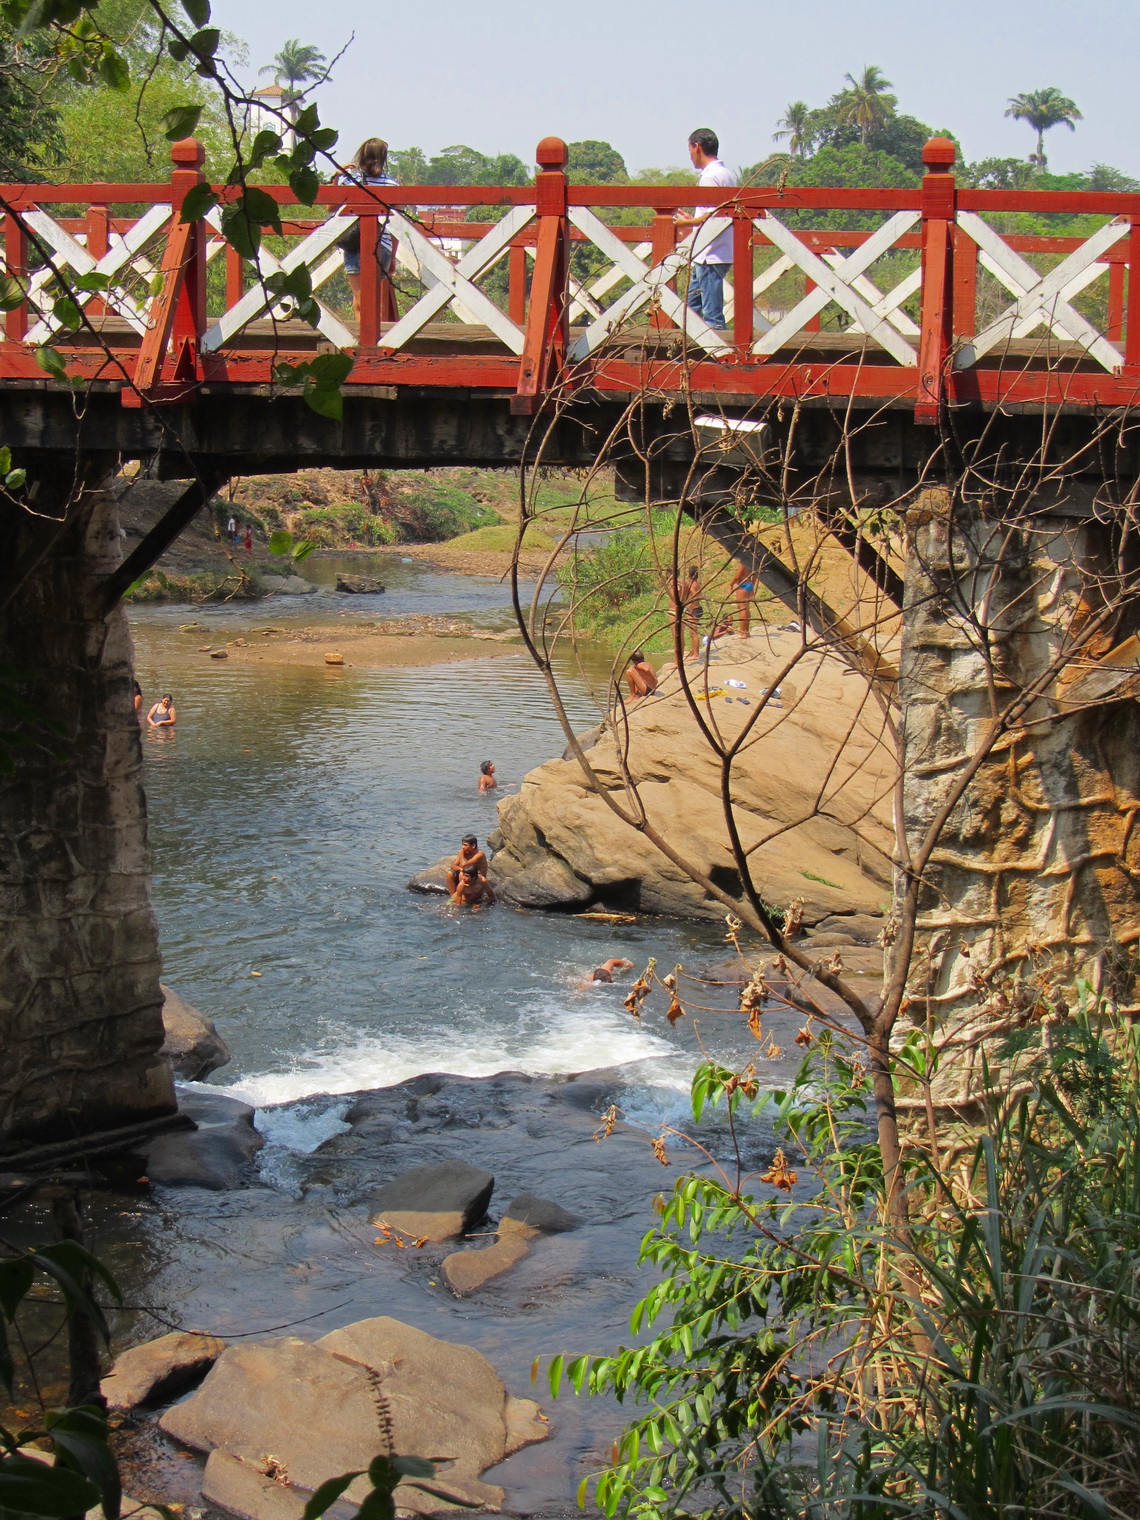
[188, 153]
[552, 153]
[939, 153]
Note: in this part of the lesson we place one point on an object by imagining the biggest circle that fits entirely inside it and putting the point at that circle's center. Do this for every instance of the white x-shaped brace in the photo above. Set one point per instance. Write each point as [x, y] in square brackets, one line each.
[839, 279]
[587, 301]
[647, 283]
[453, 284]
[71, 254]
[318, 252]
[1041, 299]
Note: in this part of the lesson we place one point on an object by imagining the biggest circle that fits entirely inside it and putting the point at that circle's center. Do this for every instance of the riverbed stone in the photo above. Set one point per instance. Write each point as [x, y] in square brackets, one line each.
[432, 878]
[359, 584]
[547, 882]
[295, 1413]
[216, 1154]
[296, 585]
[160, 1368]
[193, 1045]
[864, 928]
[541, 1214]
[244, 1490]
[466, 1271]
[434, 1202]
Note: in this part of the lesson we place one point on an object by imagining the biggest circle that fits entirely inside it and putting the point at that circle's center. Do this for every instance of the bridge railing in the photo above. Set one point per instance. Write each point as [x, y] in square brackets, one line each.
[532, 289]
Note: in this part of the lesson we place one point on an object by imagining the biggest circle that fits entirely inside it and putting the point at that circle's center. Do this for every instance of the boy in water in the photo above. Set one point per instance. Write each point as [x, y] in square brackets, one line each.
[470, 857]
[472, 889]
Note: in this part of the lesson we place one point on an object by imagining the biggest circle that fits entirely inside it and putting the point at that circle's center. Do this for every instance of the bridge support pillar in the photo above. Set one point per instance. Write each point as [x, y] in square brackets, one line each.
[1035, 877]
[80, 1005]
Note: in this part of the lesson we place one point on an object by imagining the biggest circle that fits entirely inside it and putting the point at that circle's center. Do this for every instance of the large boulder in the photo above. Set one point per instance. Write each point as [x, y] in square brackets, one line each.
[295, 1414]
[432, 878]
[434, 1202]
[158, 1369]
[193, 1046]
[217, 1153]
[817, 827]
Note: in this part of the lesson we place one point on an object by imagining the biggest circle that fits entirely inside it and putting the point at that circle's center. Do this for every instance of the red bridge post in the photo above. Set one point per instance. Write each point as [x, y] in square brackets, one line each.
[547, 326]
[939, 213]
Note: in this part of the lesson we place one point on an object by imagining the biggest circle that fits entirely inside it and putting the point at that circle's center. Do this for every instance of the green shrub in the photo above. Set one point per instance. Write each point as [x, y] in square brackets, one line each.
[979, 1360]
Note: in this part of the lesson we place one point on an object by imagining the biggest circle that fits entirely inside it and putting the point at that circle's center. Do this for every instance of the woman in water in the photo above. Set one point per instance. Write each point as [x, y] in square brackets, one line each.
[487, 782]
[162, 714]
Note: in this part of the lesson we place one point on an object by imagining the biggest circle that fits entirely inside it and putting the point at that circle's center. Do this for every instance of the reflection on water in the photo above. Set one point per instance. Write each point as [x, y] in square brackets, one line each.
[287, 813]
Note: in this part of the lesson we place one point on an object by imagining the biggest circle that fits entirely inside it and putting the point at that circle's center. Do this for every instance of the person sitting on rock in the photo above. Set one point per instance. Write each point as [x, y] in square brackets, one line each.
[470, 855]
[487, 782]
[472, 890]
[605, 972]
[641, 678]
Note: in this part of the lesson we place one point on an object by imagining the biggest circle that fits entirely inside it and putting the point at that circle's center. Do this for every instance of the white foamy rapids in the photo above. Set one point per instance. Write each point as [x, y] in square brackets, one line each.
[550, 1042]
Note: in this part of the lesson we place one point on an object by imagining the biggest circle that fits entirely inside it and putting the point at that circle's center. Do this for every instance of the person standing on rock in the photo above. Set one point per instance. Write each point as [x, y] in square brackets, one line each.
[640, 677]
[685, 606]
[743, 586]
[470, 858]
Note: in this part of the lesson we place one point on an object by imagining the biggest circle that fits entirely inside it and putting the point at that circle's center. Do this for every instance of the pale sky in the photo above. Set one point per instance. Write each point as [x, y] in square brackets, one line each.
[500, 74]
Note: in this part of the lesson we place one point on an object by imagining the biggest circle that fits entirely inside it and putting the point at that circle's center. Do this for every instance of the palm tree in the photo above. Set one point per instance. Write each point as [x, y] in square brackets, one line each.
[1043, 109]
[865, 103]
[296, 63]
[795, 125]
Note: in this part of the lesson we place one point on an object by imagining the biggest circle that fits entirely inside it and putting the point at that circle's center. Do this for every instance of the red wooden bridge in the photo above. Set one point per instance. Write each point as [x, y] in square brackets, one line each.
[523, 294]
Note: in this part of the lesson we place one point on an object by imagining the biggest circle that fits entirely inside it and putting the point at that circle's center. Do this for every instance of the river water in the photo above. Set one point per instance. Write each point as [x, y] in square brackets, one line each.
[287, 812]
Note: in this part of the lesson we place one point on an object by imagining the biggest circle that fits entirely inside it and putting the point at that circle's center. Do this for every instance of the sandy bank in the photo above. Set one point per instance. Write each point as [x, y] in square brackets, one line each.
[383, 645]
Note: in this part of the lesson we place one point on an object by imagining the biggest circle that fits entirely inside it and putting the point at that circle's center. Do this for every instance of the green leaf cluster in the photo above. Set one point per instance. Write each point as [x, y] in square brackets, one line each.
[319, 380]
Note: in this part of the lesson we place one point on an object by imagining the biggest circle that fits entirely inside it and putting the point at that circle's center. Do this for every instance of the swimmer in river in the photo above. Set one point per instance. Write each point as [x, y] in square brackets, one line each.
[470, 857]
[640, 677]
[163, 714]
[605, 972]
[472, 890]
[487, 782]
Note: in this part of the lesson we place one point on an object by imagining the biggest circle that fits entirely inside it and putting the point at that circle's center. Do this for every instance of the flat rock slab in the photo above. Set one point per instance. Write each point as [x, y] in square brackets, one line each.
[434, 1202]
[293, 1414]
[432, 878]
[466, 1271]
[193, 1046]
[159, 1369]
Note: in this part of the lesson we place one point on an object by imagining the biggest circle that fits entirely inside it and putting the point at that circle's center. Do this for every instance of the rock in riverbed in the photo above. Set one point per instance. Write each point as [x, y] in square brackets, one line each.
[159, 1369]
[217, 1153]
[359, 585]
[528, 1218]
[295, 1414]
[193, 1046]
[434, 1202]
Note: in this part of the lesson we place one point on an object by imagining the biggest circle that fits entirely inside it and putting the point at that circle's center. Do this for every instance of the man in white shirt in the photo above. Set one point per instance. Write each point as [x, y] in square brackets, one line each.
[706, 279]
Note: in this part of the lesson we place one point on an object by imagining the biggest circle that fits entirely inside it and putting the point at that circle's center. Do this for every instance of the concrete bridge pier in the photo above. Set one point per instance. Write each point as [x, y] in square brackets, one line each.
[80, 1006]
[1036, 876]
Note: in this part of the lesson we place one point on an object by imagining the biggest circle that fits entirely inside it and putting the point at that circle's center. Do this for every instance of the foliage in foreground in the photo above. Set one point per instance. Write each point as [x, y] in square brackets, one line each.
[981, 1361]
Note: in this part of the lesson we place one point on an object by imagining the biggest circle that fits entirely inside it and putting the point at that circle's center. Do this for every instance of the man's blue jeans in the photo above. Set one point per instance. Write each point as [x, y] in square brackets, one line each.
[706, 292]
